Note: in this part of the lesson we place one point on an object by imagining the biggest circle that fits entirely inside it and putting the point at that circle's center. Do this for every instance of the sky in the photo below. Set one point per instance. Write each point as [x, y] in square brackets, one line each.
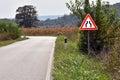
[44, 7]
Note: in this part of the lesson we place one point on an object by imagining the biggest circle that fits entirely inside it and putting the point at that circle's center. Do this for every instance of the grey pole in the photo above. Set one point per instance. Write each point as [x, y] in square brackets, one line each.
[88, 43]
[65, 41]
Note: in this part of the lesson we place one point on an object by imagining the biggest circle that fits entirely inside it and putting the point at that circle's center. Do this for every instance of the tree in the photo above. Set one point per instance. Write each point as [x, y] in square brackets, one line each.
[103, 16]
[26, 16]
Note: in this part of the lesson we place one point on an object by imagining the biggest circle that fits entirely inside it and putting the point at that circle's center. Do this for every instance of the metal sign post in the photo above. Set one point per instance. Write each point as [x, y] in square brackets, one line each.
[88, 24]
[88, 43]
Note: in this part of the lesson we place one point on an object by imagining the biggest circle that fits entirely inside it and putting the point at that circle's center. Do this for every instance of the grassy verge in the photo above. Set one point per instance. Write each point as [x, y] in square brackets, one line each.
[7, 42]
[70, 64]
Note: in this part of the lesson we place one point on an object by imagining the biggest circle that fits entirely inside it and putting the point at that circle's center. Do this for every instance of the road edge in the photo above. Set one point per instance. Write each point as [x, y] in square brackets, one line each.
[49, 69]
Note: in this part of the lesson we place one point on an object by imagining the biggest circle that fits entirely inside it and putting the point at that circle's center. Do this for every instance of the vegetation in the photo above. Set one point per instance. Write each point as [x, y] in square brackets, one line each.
[7, 42]
[70, 64]
[104, 18]
[105, 41]
[7, 20]
[112, 60]
[26, 16]
[49, 31]
[117, 6]
[66, 20]
[9, 31]
[72, 20]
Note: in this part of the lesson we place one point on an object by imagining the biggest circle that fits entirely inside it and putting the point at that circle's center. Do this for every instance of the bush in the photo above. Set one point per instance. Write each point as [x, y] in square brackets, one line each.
[111, 59]
[112, 63]
[9, 30]
[70, 64]
[105, 19]
[4, 36]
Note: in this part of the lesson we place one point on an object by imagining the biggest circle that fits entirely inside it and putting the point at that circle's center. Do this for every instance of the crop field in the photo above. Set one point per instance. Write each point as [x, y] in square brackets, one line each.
[54, 31]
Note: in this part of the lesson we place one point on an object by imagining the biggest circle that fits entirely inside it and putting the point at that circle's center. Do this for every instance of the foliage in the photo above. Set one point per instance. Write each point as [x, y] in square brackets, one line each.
[104, 18]
[9, 30]
[112, 62]
[69, 64]
[26, 16]
[117, 6]
[66, 20]
[7, 20]
[54, 31]
[7, 42]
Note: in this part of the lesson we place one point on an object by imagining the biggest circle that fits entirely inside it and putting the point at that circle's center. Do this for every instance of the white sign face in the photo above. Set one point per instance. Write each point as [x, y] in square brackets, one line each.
[88, 24]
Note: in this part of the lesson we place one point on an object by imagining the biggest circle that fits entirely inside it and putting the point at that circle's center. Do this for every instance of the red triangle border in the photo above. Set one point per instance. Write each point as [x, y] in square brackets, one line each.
[88, 16]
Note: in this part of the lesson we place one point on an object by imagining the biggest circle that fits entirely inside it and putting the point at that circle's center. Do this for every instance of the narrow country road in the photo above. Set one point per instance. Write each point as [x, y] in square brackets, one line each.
[27, 60]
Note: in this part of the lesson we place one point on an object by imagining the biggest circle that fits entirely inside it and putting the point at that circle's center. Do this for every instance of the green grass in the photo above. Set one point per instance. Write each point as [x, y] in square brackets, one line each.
[70, 64]
[7, 42]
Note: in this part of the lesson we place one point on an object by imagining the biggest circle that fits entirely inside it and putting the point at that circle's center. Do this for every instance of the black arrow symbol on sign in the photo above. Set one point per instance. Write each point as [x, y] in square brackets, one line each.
[87, 24]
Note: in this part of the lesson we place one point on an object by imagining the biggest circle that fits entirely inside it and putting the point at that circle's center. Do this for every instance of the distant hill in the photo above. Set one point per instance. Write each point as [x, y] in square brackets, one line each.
[7, 20]
[66, 20]
[70, 20]
[117, 6]
[43, 18]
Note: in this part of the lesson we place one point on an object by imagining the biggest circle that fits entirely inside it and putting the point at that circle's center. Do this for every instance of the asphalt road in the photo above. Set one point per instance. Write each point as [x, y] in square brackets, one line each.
[27, 60]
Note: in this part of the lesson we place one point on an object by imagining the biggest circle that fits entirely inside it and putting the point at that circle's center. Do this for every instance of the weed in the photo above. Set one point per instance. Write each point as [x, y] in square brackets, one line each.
[70, 64]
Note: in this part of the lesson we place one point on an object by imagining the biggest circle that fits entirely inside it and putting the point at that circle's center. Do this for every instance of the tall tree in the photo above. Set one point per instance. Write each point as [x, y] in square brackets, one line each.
[103, 16]
[87, 7]
[26, 16]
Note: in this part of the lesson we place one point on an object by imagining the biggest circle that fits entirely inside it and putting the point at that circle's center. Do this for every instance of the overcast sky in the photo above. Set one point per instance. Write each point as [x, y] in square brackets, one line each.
[44, 7]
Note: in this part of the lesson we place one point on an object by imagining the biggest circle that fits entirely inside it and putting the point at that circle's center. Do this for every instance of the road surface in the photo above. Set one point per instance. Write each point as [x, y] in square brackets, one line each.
[27, 60]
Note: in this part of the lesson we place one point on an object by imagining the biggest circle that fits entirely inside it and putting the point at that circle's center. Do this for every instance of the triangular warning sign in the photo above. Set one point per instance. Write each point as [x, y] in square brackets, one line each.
[88, 24]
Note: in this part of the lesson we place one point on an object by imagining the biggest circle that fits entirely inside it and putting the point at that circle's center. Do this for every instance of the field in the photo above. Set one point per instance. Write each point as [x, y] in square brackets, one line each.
[54, 31]
[71, 64]
[7, 42]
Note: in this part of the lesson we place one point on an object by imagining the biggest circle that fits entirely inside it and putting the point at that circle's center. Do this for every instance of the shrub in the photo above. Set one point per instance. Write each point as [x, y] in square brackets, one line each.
[112, 63]
[111, 59]
[4, 36]
[9, 30]
[70, 64]
[104, 18]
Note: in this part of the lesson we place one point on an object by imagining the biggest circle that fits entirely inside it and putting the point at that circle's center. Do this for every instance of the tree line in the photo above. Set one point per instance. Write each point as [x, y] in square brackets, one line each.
[27, 16]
